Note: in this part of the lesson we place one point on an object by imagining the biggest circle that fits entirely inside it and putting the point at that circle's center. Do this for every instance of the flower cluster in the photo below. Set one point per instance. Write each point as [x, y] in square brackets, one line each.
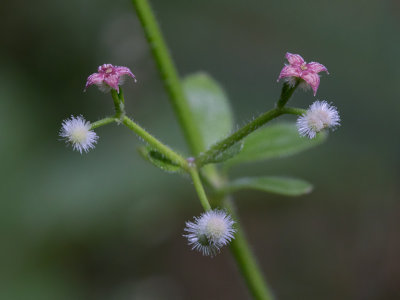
[210, 232]
[320, 114]
[77, 131]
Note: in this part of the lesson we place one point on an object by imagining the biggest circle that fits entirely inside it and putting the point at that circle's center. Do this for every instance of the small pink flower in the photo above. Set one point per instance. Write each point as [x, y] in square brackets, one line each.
[298, 68]
[108, 77]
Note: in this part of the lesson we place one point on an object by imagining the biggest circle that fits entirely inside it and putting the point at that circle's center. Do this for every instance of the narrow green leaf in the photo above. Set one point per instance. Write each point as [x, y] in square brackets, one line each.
[274, 141]
[210, 107]
[227, 154]
[272, 184]
[159, 160]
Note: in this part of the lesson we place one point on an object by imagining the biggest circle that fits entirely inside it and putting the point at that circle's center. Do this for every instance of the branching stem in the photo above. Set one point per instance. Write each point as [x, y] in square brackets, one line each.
[152, 141]
[102, 122]
[241, 133]
[228, 142]
[240, 249]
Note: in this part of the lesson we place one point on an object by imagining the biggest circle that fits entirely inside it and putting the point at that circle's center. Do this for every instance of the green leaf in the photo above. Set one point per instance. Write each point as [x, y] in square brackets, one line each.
[227, 154]
[210, 107]
[274, 141]
[159, 160]
[272, 184]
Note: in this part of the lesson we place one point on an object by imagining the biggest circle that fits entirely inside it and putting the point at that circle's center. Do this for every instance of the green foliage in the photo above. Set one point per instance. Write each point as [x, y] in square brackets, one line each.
[210, 107]
[159, 160]
[272, 184]
[274, 141]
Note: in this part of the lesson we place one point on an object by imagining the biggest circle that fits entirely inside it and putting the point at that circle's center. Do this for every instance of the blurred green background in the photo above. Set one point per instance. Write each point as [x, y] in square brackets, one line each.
[108, 225]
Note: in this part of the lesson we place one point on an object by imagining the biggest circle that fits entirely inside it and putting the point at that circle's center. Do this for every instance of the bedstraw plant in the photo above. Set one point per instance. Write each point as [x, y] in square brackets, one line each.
[204, 114]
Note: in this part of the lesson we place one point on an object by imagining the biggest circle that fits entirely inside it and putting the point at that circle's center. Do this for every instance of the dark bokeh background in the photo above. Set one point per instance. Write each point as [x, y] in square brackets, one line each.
[108, 225]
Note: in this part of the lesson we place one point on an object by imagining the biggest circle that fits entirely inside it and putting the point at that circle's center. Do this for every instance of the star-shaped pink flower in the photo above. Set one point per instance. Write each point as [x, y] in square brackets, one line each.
[109, 76]
[298, 68]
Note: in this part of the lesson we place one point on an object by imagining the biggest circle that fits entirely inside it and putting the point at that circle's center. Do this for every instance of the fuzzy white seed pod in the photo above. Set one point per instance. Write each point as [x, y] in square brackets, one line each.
[76, 131]
[210, 232]
[320, 115]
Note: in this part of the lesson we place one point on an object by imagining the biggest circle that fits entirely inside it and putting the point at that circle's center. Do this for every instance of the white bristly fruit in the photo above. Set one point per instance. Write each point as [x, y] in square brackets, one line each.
[210, 232]
[320, 115]
[76, 131]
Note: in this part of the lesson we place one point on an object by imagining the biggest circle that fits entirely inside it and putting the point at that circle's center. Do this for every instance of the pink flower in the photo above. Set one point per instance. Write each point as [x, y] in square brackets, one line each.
[108, 77]
[298, 68]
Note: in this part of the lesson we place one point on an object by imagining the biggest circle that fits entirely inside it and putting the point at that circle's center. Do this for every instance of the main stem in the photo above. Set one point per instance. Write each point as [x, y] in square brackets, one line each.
[169, 75]
[246, 261]
[171, 81]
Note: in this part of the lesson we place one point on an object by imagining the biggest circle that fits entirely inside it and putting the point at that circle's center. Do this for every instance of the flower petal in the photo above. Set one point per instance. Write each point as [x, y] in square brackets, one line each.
[294, 59]
[316, 67]
[289, 71]
[95, 78]
[112, 81]
[123, 71]
[104, 67]
[312, 79]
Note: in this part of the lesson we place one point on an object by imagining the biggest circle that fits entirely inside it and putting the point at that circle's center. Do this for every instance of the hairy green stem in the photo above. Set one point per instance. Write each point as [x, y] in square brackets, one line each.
[103, 122]
[121, 95]
[241, 133]
[118, 103]
[294, 111]
[287, 92]
[152, 141]
[229, 141]
[199, 188]
[169, 75]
